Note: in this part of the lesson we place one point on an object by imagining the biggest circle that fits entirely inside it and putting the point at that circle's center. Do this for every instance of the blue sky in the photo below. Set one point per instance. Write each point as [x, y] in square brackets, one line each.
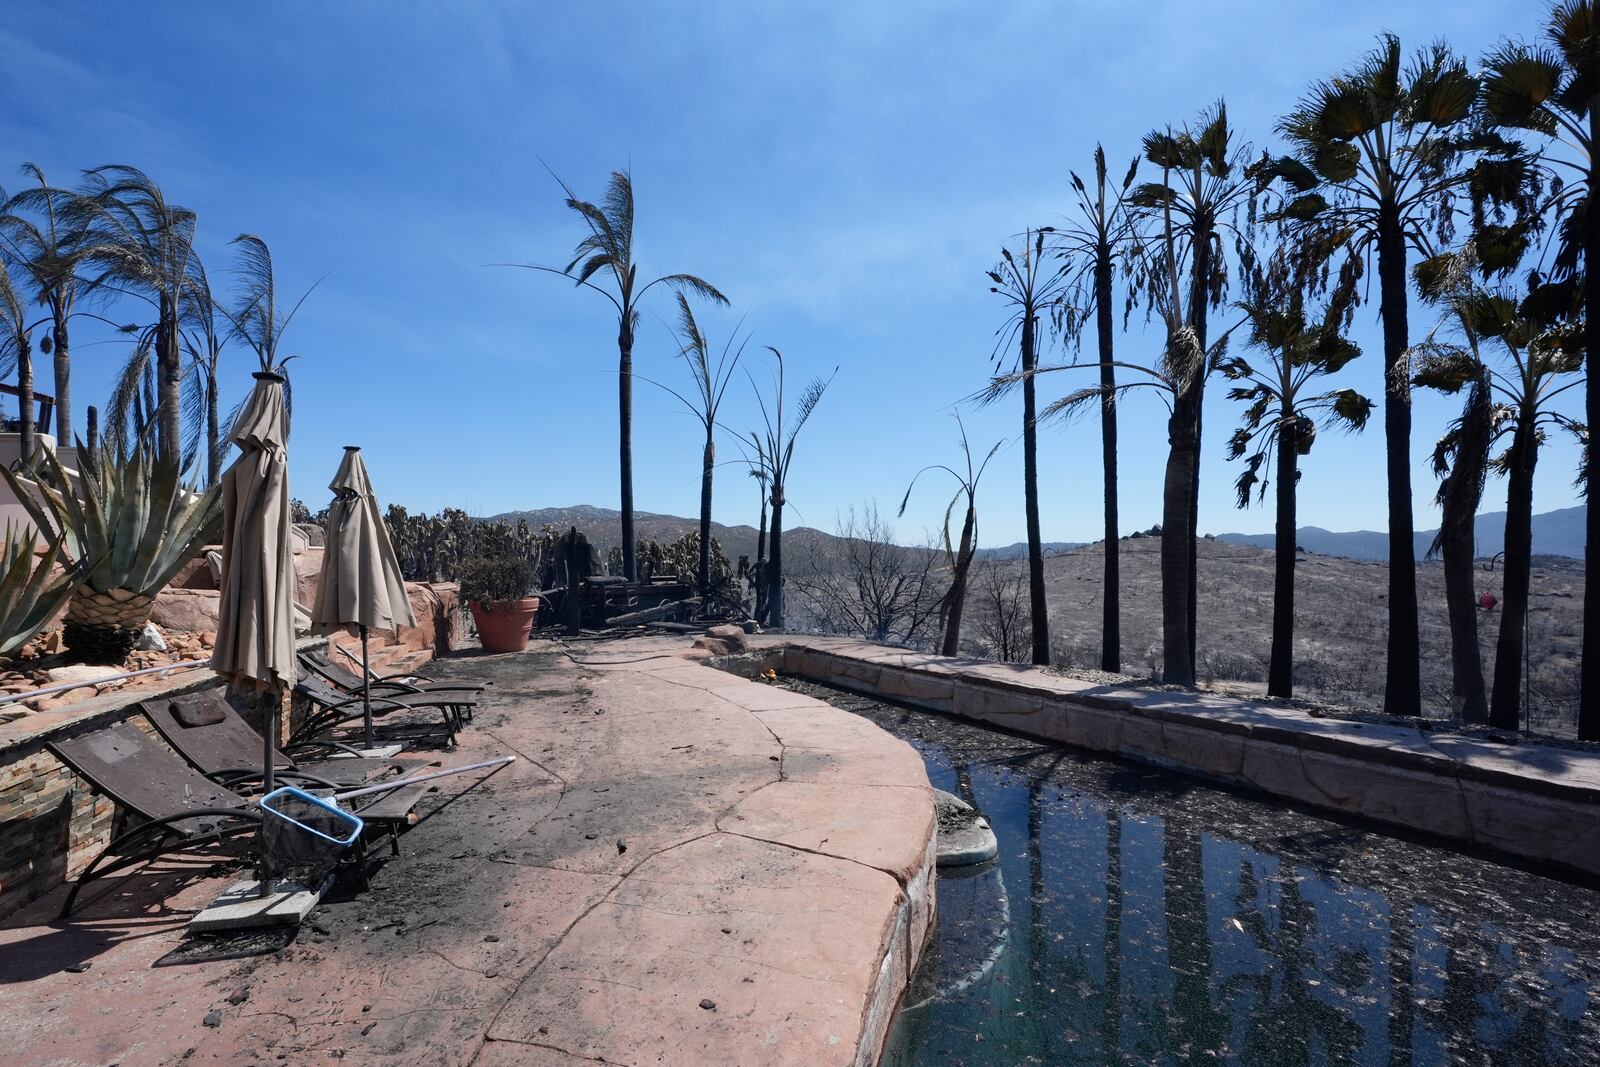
[846, 173]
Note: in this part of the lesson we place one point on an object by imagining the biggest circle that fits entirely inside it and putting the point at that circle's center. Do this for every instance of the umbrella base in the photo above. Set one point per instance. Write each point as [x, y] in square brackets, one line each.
[242, 907]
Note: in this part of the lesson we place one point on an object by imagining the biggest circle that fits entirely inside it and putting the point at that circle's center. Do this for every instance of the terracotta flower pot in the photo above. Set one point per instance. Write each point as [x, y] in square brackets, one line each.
[503, 625]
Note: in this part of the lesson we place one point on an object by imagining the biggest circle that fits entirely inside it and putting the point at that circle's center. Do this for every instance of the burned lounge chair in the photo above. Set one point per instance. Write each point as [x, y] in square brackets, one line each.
[331, 708]
[207, 732]
[324, 666]
[175, 808]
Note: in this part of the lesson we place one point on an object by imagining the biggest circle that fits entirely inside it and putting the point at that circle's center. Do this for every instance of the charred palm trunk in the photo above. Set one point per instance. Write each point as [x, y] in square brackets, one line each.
[1589, 693]
[1177, 503]
[61, 354]
[1197, 322]
[1459, 498]
[91, 462]
[775, 561]
[1040, 615]
[1505, 703]
[761, 562]
[630, 564]
[707, 466]
[958, 585]
[1280, 673]
[169, 377]
[213, 432]
[1111, 592]
[25, 415]
[1402, 692]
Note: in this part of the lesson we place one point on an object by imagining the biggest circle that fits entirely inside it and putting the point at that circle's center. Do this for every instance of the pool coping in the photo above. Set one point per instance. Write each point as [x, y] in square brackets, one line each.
[1533, 802]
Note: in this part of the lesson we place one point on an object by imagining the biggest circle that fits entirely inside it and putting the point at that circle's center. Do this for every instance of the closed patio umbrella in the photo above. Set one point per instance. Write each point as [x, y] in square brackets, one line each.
[255, 617]
[361, 584]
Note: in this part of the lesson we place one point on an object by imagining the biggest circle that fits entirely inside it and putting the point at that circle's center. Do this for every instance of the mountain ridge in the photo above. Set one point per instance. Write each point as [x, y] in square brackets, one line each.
[1555, 533]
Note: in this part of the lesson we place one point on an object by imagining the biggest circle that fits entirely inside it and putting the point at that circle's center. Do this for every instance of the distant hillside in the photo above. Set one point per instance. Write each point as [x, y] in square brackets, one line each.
[1341, 608]
[1555, 533]
[1020, 550]
[603, 526]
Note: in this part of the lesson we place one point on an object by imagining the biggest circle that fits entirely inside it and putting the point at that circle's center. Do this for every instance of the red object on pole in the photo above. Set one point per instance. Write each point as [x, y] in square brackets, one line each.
[1487, 600]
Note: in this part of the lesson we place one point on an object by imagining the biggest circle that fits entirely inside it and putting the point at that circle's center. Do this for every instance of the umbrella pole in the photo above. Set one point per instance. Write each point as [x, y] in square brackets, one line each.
[366, 687]
[270, 706]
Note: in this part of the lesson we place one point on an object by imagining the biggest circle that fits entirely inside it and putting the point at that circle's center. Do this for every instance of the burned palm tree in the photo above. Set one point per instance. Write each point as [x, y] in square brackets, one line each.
[1549, 89]
[41, 240]
[1539, 339]
[16, 351]
[1380, 153]
[1095, 243]
[711, 376]
[1204, 186]
[607, 254]
[206, 330]
[136, 241]
[1302, 346]
[957, 556]
[1032, 282]
[258, 319]
[775, 446]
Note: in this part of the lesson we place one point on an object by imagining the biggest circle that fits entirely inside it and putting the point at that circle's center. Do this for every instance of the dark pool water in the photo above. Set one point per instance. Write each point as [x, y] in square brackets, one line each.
[1135, 916]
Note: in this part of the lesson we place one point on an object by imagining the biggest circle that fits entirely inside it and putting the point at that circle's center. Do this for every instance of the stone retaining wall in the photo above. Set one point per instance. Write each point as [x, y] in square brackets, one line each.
[1532, 802]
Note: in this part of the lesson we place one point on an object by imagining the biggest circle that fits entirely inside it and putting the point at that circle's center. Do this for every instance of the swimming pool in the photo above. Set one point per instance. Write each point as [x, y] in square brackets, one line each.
[1138, 916]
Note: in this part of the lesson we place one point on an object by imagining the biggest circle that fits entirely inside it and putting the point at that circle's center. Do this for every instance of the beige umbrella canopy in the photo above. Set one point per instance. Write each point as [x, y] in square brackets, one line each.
[361, 584]
[255, 618]
[255, 623]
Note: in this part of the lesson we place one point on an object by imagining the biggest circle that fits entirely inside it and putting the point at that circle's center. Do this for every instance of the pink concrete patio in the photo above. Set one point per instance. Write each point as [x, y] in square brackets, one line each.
[683, 867]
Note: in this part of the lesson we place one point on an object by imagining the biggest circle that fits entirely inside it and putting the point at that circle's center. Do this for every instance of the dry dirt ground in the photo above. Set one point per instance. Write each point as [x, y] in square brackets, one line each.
[1341, 623]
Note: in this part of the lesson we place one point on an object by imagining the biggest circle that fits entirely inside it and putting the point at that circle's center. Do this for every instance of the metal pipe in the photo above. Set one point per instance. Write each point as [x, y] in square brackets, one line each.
[12, 698]
[384, 787]
[366, 688]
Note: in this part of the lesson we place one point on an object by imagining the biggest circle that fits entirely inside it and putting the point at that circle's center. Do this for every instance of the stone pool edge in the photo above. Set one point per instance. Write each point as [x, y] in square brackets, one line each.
[1529, 802]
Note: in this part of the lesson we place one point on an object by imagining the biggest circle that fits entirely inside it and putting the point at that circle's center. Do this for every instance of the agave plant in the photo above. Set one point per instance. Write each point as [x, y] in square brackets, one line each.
[29, 597]
[131, 526]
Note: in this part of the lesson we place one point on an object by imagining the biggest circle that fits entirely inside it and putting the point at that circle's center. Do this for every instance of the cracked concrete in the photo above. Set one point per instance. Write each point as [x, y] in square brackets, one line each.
[671, 837]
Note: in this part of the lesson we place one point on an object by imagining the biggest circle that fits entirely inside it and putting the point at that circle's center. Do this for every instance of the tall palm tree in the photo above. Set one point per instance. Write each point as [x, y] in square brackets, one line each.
[1550, 89]
[1204, 185]
[1094, 242]
[16, 349]
[607, 252]
[36, 229]
[1032, 284]
[136, 240]
[1379, 161]
[775, 446]
[1541, 355]
[1461, 460]
[1280, 425]
[711, 377]
[206, 330]
[957, 556]
[758, 471]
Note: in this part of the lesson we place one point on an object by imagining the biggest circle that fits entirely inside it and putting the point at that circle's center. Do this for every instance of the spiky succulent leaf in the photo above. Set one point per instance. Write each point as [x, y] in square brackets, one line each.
[29, 596]
[132, 525]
